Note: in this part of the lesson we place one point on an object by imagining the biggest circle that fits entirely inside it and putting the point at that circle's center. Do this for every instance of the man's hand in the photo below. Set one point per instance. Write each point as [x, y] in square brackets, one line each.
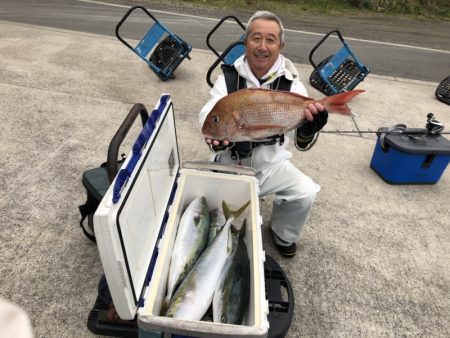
[217, 142]
[312, 110]
[316, 118]
[216, 145]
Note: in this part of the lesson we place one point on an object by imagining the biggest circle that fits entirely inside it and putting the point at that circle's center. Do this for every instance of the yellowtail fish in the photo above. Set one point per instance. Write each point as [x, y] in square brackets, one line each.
[191, 240]
[194, 296]
[231, 297]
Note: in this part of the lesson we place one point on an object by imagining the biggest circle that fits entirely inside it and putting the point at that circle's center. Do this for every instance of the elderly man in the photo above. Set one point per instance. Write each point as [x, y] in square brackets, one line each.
[264, 66]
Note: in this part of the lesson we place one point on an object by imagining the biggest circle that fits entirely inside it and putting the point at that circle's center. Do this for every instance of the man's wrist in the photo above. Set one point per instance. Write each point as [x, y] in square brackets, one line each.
[302, 141]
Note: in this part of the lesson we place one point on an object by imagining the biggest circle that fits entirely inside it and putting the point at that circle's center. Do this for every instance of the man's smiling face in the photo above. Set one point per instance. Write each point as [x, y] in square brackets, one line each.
[263, 45]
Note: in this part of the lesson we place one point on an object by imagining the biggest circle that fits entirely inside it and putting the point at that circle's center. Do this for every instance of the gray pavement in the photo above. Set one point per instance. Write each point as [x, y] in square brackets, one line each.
[374, 257]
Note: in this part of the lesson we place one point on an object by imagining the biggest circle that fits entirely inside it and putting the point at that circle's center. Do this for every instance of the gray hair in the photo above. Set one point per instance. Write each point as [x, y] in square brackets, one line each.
[266, 15]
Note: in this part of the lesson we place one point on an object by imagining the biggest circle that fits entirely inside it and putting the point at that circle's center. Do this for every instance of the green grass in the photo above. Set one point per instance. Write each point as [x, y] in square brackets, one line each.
[438, 9]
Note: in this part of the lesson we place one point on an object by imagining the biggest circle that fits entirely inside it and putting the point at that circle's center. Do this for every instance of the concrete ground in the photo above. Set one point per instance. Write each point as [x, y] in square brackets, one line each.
[373, 260]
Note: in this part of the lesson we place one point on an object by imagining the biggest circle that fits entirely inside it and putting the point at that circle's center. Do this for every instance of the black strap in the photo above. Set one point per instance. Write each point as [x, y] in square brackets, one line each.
[85, 210]
[233, 80]
[236, 82]
[283, 84]
[242, 150]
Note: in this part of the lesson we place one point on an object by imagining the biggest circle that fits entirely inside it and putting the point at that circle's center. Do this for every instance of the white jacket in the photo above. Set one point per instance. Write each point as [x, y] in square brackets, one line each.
[262, 156]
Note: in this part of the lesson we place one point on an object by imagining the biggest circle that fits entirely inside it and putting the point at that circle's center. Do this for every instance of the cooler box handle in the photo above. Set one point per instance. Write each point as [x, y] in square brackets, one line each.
[226, 168]
[141, 141]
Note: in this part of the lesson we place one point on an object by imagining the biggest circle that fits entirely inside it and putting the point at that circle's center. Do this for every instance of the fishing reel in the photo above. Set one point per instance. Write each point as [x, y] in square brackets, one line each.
[433, 126]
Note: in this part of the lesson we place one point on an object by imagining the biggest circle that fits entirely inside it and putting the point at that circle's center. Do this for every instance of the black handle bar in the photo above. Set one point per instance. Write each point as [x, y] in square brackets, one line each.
[217, 26]
[114, 145]
[219, 60]
[127, 14]
[320, 42]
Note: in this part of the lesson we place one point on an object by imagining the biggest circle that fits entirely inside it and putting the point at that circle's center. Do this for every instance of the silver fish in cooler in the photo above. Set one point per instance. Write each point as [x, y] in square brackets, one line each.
[231, 297]
[218, 220]
[191, 240]
[194, 296]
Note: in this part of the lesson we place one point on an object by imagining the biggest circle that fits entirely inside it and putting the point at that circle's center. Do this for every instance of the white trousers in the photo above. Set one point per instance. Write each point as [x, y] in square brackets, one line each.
[294, 192]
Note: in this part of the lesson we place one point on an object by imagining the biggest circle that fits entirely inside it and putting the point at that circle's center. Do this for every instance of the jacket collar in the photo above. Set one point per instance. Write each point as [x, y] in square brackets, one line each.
[281, 67]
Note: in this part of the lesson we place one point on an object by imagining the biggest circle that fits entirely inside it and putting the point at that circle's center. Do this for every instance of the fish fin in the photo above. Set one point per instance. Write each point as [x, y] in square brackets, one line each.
[338, 103]
[243, 228]
[256, 89]
[226, 209]
[233, 228]
[303, 97]
[239, 122]
[243, 126]
[237, 234]
[165, 306]
[233, 237]
[233, 213]
[231, 242]
[238, 230]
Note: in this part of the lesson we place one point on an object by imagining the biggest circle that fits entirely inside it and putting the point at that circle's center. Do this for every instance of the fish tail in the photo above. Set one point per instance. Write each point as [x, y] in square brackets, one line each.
[165, 305]
[243, 229]
[233, 213]
[338, 103]
[237, 233]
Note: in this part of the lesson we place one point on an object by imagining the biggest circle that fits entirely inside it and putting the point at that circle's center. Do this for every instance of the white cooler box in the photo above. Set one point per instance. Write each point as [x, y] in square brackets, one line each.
[136, 224]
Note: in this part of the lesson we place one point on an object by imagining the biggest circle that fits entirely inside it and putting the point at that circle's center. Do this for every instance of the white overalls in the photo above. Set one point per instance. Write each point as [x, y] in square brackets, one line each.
[294, 191]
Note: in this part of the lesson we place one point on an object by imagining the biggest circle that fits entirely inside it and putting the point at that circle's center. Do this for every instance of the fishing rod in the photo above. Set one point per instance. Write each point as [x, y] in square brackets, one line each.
[433, 127]
[384, 131]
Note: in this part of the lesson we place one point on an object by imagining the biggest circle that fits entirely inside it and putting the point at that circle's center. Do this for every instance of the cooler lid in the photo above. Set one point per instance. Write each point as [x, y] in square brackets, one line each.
[418, 143]
[131, 216]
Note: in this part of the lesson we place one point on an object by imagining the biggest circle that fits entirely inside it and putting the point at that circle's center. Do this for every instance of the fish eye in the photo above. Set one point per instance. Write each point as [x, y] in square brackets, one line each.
[215, 119]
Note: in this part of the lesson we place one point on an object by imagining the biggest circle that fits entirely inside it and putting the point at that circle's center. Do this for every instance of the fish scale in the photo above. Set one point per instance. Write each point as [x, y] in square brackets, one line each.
[192, 237]
[255, 113]
[231, 295]
[262, 117]
[193, 297]
[285, 114]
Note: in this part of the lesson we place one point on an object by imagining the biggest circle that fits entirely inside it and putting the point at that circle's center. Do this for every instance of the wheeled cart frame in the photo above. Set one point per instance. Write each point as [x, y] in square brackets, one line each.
[339, 72]
[161, 49]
